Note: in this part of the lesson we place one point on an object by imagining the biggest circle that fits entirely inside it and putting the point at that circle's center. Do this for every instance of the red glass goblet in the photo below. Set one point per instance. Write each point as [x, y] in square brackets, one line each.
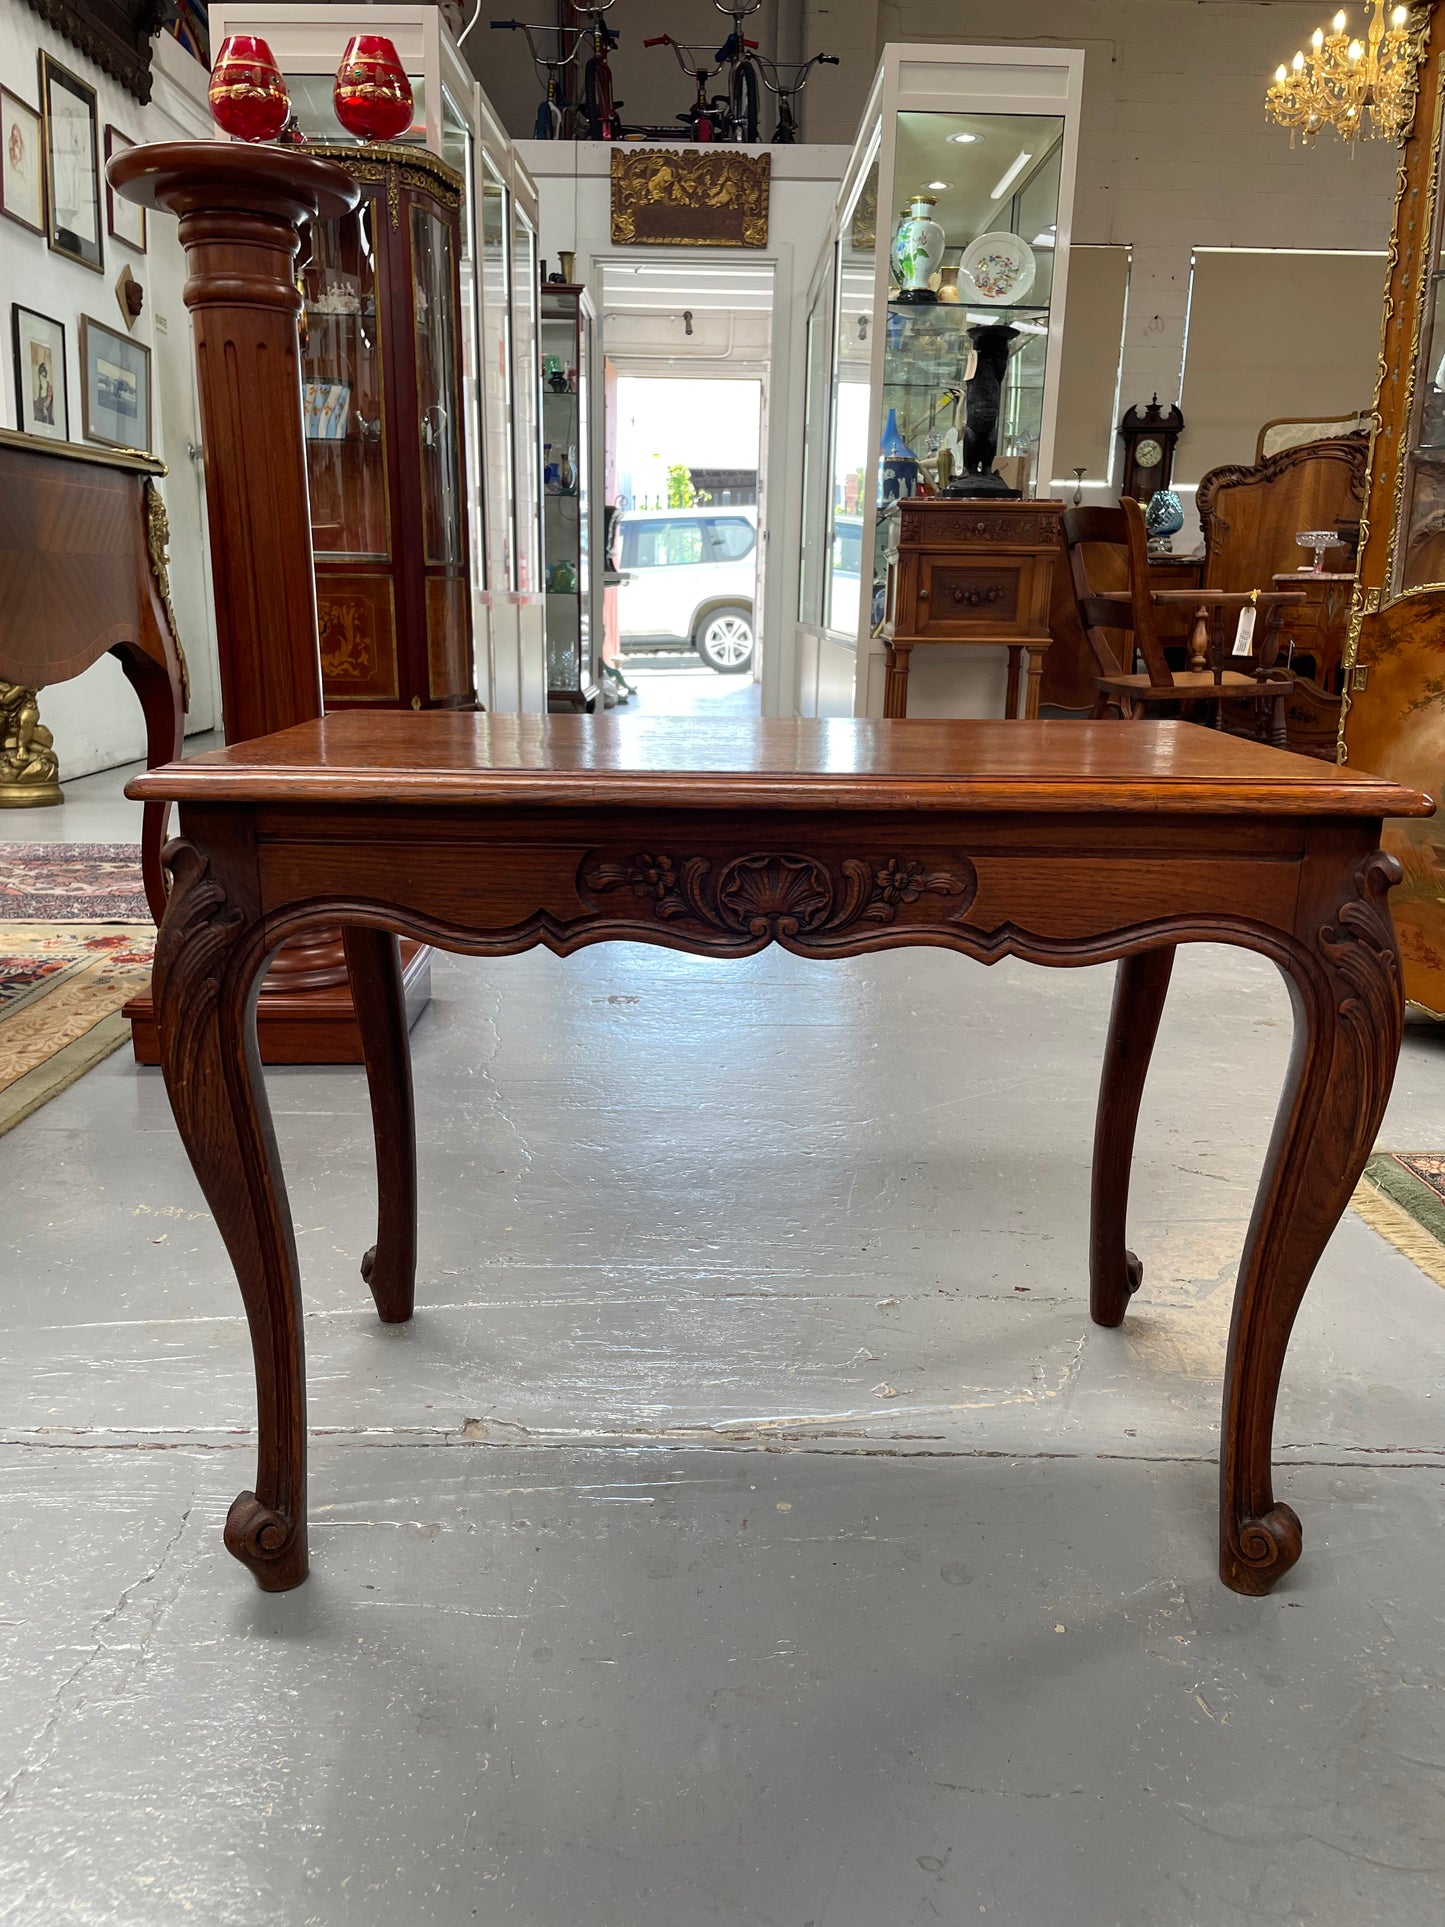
[248, 96]
[372, 94]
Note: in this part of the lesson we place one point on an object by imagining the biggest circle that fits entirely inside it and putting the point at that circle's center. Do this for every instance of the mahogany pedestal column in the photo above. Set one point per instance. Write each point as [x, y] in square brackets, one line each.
[240, 211]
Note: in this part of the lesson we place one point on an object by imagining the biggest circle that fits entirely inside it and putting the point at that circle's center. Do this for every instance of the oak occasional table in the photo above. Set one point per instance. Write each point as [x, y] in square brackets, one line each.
[1059, 842]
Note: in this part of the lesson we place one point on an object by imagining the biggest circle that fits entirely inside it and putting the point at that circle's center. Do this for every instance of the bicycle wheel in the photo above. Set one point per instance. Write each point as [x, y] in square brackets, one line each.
[597, 84]
[743, 101]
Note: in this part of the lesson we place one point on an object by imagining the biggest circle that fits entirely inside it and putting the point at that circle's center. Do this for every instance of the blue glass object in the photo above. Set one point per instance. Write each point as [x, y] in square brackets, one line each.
[1164, 516]
[898, 465]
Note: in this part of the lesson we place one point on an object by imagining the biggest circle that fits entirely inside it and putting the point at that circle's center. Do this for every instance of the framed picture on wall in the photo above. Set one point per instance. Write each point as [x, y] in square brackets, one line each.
[42, 405]
[22, 165]
[72, 165]
[115, 388]
[123, 219]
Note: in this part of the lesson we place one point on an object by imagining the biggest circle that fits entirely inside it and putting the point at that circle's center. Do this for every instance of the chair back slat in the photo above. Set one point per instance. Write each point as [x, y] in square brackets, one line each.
[1111, 543]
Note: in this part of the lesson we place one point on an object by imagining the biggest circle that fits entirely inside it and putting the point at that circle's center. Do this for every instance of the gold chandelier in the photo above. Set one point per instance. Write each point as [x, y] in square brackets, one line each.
[1365, 89]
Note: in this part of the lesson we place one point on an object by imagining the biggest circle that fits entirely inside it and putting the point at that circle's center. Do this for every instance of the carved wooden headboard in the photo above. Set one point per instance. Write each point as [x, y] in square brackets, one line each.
[1250, 517]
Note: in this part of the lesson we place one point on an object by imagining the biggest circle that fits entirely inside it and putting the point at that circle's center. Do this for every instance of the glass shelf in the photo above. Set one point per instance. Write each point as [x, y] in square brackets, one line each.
[574, 627]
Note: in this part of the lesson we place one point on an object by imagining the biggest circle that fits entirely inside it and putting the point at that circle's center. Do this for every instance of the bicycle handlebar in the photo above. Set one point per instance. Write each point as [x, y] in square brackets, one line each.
[659, 40]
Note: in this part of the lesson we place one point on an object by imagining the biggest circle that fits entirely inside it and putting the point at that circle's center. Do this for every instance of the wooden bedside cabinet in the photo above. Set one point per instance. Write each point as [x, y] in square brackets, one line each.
[970, 571]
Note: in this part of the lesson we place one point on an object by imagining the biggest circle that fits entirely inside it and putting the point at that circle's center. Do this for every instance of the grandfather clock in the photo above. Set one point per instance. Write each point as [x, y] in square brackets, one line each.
[1149, 435]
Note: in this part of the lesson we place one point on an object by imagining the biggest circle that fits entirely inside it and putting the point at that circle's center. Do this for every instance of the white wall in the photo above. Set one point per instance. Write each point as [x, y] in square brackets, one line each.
[95, 718]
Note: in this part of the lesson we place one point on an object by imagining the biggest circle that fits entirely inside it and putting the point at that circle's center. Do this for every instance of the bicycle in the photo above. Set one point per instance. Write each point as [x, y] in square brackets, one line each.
[557, 115]
[598, 105]
[701, 117]
[786, 132]
[736, 54]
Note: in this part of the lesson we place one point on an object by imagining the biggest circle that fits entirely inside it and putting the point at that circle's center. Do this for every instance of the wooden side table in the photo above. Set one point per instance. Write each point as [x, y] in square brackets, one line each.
[976, 572]
[1062, 843]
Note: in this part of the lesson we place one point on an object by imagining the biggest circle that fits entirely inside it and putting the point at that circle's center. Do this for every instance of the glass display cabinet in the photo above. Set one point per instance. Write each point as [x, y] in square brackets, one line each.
[939, 299]
[381, 393]
[476, 188]
[574, 633]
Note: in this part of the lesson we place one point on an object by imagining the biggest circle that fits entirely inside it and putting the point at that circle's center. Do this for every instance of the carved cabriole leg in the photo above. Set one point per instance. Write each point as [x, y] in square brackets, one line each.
[373, 961]
[1139, 990]
[1349, 1014]
[160, 700]
[209, 959]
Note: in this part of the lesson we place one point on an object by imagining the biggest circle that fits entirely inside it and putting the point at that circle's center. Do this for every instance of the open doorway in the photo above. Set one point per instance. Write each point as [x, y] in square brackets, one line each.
[687, 542]
[687, 346]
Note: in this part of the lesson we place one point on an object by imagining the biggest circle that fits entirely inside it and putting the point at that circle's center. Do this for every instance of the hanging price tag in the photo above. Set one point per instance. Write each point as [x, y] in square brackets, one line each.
[972, 367]
[1244, 634]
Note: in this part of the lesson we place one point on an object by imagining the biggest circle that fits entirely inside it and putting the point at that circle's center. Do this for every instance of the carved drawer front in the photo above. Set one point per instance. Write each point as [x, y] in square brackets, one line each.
[967, 598]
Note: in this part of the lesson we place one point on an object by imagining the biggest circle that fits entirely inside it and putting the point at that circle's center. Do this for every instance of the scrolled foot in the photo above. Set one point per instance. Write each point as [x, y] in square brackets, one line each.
[1255, 1553]
[1112, 1288]
[394, 1294]
[273, 1546]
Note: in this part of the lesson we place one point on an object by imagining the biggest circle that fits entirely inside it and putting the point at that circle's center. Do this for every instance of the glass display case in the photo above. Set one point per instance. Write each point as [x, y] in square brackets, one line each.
[939, 300]
[491, 449]
[381, 393]
[574, 632]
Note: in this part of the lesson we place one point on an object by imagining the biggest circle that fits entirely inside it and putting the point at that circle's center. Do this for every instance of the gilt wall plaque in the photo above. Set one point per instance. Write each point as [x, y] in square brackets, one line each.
[701, 197]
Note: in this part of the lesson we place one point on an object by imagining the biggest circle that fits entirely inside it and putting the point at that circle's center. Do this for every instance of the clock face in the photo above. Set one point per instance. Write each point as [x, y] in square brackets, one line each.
[1148, 453]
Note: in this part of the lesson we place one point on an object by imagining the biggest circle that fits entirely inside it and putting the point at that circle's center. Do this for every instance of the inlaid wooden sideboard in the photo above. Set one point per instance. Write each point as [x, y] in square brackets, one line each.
[83, 572]
[972, 571]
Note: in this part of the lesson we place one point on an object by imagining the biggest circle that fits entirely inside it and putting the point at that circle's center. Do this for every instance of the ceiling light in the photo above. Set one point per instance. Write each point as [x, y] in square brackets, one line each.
[963, 140]
[1361, 88]
[937, 187]
[1020, 162]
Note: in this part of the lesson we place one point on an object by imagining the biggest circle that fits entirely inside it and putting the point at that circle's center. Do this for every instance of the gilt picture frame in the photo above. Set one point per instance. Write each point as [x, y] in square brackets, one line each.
[72, 165]
[22, 163]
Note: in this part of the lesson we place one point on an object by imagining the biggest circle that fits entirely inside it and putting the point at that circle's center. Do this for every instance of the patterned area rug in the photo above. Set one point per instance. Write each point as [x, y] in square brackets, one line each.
[1402, 1196]
[61, 991]
[71, 883]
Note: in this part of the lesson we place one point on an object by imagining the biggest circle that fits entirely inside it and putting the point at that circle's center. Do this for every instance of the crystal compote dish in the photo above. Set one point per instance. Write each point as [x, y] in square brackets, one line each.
[1319, 540]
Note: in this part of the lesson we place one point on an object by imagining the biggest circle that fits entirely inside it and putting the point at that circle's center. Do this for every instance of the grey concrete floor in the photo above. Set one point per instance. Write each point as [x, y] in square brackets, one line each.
[674, 683]
[750, 1527]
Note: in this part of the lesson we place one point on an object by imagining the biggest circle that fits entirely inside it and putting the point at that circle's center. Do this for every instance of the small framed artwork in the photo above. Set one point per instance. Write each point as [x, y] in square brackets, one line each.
[22, 168]
[72, 165]
[42, 406]
[123, 219]
[115, 388]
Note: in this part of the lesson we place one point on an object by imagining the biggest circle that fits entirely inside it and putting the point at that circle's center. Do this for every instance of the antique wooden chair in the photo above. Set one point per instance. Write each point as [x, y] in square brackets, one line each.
[1207, 683]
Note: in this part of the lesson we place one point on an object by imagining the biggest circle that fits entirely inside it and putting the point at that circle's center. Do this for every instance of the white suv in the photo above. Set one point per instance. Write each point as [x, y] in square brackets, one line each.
[689, 580]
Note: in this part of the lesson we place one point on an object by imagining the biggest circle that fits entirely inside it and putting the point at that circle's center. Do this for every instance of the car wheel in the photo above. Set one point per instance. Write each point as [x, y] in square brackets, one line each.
[724, 640]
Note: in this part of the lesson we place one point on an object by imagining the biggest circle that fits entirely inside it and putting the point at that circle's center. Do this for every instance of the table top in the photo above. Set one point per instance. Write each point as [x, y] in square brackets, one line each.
[462, 757]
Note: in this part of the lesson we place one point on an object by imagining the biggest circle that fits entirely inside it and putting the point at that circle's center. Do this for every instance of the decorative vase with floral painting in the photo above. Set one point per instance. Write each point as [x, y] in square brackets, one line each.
[918, 250]
[897, 464]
